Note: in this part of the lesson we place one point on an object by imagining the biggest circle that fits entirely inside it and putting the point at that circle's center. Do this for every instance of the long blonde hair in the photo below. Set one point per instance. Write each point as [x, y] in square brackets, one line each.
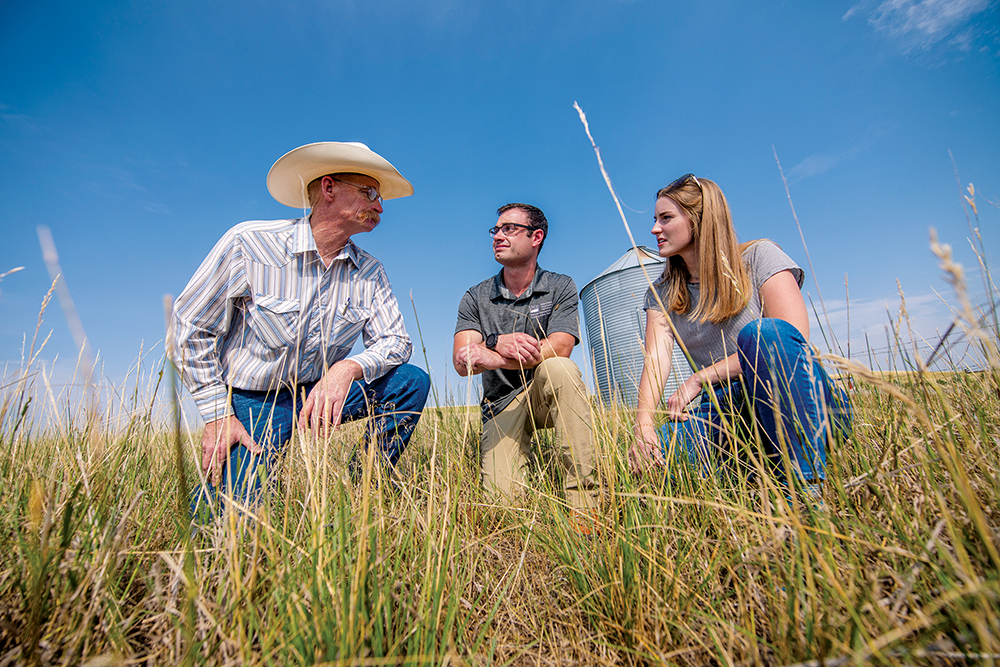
[725, 284]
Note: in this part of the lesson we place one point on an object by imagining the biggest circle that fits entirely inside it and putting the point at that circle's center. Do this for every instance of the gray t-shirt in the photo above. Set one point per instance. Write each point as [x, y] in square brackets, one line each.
[707, 342]
[547, 306]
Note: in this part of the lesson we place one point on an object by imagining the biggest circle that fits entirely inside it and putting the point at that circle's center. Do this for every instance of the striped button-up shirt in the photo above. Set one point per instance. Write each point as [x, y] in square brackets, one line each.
[263, 311]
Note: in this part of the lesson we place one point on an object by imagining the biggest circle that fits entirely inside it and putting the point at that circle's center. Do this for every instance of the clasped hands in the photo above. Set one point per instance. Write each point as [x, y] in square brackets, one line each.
[513, 351]
[320, 412]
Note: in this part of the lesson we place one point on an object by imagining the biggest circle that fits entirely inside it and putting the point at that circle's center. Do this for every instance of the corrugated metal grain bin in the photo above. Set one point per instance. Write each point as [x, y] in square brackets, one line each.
[616, 325]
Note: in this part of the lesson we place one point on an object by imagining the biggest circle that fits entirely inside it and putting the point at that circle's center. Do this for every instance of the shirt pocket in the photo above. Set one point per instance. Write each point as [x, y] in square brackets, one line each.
[346, 328]
[276, 320]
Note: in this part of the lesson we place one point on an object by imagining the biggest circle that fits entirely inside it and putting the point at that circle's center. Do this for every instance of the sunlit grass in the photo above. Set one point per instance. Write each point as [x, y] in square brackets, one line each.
[899, 565]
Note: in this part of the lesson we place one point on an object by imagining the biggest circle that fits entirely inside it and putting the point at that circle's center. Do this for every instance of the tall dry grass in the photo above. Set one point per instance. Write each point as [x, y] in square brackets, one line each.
[99, 565]
[899, 567]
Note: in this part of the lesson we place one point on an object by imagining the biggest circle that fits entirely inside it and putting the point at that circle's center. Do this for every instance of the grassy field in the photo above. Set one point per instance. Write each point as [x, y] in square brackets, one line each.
[98, 565]
[898, 565]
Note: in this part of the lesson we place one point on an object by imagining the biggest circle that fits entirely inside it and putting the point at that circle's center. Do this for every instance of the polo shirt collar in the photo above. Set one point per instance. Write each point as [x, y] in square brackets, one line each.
[304, 242]
[539, 285]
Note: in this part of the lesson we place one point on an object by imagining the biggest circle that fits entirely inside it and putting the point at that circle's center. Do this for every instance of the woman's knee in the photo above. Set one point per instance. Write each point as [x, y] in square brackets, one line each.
[770, 337]
[766, 331]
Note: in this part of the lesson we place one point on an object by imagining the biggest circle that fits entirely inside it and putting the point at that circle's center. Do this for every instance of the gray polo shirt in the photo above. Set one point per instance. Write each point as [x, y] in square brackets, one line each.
[708, 342]
[547, 306]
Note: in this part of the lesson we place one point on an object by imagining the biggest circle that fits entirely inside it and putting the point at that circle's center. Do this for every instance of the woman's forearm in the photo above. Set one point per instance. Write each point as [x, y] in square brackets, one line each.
[724, 369]
[657, 352]
[649, 397]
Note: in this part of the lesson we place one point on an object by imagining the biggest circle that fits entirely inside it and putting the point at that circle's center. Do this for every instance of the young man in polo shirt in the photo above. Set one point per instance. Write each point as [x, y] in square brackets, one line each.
[518, 329]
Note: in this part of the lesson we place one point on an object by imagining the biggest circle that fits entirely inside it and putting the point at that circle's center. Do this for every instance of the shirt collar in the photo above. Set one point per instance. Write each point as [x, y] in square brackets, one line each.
[351, 252]
[303, 237]
[539, 285]
[304, 242]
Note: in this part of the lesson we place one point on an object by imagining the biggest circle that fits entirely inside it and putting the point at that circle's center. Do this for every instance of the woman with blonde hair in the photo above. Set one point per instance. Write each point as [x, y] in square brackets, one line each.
[738, 313]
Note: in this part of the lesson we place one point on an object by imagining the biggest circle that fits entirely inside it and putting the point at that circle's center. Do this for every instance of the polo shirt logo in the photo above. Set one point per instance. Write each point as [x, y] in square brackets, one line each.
[540, 309]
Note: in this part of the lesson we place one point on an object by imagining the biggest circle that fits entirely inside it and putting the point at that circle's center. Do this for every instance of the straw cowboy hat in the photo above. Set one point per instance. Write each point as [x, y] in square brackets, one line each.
[297, 168]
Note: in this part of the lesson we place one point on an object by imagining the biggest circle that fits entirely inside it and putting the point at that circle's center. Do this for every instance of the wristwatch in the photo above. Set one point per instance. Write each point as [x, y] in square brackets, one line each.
[491, 342]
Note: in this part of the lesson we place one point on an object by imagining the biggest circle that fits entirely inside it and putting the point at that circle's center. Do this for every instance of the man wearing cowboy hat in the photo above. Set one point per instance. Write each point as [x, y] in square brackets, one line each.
[262, 334]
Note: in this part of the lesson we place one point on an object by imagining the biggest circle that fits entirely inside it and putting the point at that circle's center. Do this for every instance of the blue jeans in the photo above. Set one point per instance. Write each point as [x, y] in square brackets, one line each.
[393, 402]
[785, 395]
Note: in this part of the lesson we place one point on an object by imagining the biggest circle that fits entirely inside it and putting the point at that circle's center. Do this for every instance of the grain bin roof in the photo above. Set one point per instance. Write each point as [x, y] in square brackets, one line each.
[627, 261]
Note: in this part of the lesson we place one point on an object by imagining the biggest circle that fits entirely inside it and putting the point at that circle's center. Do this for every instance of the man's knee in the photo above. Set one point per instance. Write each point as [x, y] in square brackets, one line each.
[411, 381]
[556, 370]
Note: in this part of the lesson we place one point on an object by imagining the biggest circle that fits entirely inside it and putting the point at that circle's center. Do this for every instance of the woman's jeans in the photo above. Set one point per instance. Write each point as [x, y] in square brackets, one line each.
[785, 396]
[393, 402]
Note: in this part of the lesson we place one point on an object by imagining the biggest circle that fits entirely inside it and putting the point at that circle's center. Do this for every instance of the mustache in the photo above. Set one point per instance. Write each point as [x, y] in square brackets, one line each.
[370, 215]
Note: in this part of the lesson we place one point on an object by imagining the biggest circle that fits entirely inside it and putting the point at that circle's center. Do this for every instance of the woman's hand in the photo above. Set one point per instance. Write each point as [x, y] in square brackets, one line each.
[646, 452]
[686, 393]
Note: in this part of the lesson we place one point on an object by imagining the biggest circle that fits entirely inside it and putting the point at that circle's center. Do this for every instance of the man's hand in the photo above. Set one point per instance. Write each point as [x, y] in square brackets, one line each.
[325, 404]
[645, 452]
[217, 439]
[522, 349]
[476, 358]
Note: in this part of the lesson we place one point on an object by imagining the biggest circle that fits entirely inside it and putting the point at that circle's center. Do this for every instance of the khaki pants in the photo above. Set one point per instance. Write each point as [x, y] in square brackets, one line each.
[556, 397]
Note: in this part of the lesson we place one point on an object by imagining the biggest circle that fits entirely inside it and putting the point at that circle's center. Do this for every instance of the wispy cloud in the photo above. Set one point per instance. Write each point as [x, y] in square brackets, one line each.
[934, 19]
[113, 183]
[819, 163]
[824, 161]
[920, 24]
[874, 331]
[18, 121]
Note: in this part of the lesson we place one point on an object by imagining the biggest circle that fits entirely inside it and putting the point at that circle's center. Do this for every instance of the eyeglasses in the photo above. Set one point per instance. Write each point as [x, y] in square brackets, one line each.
[369, 191]
[509, 228]
[682, 180]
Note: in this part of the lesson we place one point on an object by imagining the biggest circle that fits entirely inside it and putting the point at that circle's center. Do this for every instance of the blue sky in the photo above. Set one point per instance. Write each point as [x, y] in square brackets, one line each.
[138, 132]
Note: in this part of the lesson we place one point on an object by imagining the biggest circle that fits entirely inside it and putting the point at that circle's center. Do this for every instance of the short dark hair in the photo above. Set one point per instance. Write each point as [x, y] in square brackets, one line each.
[535, 217]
